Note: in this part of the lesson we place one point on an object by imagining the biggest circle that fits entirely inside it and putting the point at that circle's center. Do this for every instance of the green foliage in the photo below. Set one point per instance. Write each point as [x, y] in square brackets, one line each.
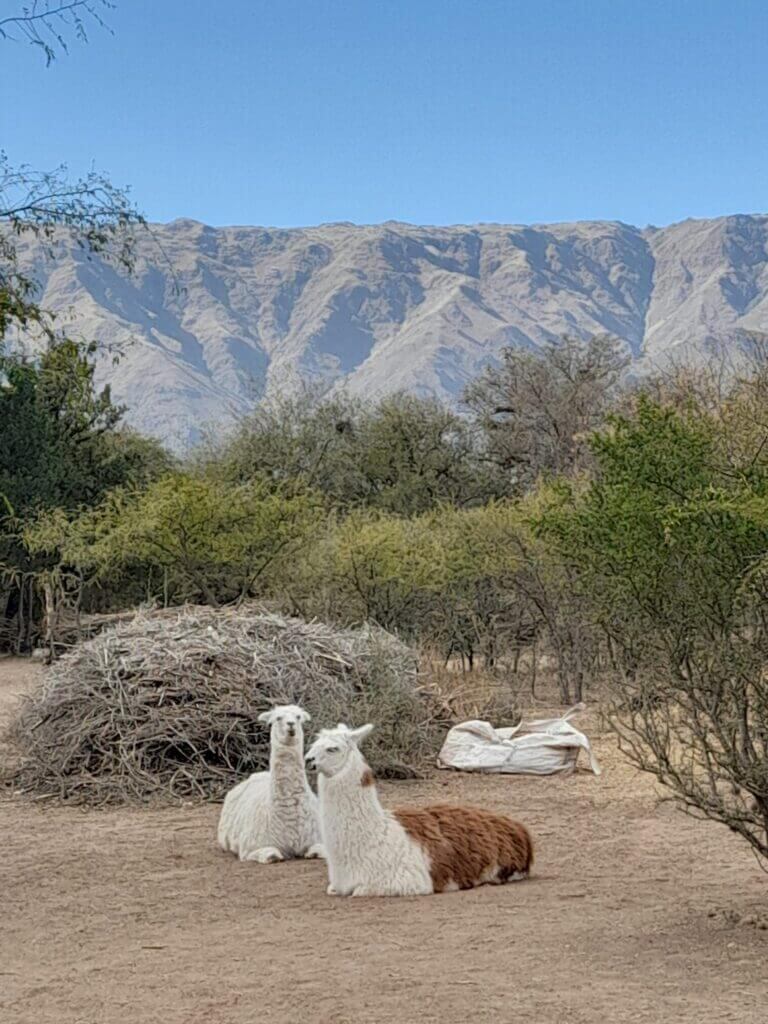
[61, 440]
[667, 546]
[664, 535]
[59, 445]
[405, 455]
[189, 537]
[446, 579]
[62, 448]
[416, 454]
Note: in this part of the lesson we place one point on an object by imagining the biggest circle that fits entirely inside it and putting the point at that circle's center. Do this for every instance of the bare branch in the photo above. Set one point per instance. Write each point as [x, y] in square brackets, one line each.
[45, 24]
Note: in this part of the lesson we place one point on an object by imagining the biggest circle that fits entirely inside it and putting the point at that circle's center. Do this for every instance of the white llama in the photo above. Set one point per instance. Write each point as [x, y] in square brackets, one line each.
[410, 852]
[273, 815]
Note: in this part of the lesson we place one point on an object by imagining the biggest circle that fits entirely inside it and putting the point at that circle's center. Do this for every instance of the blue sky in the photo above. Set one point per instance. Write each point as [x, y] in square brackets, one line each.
[430, 111]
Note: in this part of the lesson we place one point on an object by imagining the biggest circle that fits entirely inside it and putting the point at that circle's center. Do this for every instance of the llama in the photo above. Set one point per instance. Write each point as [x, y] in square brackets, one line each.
[371, 851]
[273, 815]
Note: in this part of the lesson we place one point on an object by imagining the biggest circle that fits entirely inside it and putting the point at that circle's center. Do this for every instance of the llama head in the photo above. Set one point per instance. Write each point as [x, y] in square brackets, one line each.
[286, 725]
[333, 748]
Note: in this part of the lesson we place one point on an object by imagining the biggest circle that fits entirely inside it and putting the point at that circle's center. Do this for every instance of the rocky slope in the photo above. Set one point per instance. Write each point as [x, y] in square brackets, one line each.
[214, 318]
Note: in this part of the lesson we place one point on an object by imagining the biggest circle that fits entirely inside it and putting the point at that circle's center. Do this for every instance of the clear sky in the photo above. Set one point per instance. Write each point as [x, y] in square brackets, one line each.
[430, 111]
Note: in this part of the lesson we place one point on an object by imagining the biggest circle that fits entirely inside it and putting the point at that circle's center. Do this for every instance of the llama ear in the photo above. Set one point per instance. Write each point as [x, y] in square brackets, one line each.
[305, 716]
[265, 716]
[358, 735]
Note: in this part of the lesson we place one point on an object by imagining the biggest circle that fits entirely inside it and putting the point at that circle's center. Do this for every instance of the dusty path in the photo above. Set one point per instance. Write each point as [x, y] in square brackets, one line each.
[131, 917]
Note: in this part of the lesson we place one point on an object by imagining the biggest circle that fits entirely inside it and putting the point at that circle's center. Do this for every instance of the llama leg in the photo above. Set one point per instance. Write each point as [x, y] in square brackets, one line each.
[337, 889]
[315, 851]
[264, 855]
[411, 888]
[366, 890]
[492, 876]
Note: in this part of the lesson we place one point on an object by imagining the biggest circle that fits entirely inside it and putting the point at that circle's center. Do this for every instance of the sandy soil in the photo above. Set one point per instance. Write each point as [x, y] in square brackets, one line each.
[635, 913]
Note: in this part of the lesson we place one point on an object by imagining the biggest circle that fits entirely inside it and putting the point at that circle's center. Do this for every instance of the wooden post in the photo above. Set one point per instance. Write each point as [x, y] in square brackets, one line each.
[50, 617]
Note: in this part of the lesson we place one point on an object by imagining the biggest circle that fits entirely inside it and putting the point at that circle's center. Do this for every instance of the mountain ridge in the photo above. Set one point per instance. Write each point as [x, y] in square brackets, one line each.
[231, 314]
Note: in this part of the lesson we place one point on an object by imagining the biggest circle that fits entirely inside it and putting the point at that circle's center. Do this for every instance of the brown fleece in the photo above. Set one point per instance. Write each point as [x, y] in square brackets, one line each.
[464, 843]
[367, 778]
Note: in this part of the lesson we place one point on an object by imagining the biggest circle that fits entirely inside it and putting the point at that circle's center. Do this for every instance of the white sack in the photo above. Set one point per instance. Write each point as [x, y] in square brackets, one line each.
[541, 747]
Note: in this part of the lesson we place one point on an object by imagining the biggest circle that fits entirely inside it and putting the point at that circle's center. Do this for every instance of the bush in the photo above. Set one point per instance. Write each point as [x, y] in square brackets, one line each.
[404, 455]
[667, 548]
[447, 579]
[184, 537]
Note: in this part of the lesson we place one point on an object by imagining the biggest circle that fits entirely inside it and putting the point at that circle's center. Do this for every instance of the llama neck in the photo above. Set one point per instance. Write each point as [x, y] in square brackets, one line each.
[286, 771]
[351, 795]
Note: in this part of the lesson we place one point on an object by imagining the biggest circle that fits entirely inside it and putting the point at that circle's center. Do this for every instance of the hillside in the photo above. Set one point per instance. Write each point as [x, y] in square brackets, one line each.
[214, 318]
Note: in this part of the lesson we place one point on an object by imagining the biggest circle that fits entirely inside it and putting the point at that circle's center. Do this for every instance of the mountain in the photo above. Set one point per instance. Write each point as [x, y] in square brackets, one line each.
[212, 319]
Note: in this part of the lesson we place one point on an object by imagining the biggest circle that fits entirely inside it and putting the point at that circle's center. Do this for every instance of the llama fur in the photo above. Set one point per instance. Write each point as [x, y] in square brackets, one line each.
[273, 815]
[371, 851]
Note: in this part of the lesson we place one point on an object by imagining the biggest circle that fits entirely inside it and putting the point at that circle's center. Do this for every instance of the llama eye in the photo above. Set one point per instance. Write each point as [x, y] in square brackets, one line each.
[333, 750]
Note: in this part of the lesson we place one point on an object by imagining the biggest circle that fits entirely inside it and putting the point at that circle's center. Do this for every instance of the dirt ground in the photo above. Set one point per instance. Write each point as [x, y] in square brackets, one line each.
[635, 913]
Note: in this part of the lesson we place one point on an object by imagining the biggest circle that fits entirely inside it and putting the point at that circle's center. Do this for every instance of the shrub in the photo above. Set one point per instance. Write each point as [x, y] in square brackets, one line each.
[667, 548]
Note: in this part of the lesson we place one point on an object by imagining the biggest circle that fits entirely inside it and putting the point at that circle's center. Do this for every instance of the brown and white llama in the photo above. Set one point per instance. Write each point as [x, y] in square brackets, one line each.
[371, 851]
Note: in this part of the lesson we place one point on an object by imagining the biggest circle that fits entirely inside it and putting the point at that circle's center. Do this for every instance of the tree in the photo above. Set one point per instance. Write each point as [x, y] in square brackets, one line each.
[446, 579]
[537, 409]
[416, 454]
[63, 446]
[49, 205]
[46, 24]
[668, 548]
[731, 387]
[405, 455]
[189, 537]
[301, 440]
[55, 210]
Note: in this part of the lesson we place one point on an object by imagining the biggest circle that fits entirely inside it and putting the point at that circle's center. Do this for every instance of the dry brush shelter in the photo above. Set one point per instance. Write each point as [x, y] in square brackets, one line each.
[165, 706]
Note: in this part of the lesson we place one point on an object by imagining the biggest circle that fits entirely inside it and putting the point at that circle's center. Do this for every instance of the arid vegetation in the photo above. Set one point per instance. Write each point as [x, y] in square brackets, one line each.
[619, 531]
[579, 526]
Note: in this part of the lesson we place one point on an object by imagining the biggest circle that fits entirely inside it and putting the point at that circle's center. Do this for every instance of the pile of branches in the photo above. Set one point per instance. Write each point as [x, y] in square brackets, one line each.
[166, 706]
